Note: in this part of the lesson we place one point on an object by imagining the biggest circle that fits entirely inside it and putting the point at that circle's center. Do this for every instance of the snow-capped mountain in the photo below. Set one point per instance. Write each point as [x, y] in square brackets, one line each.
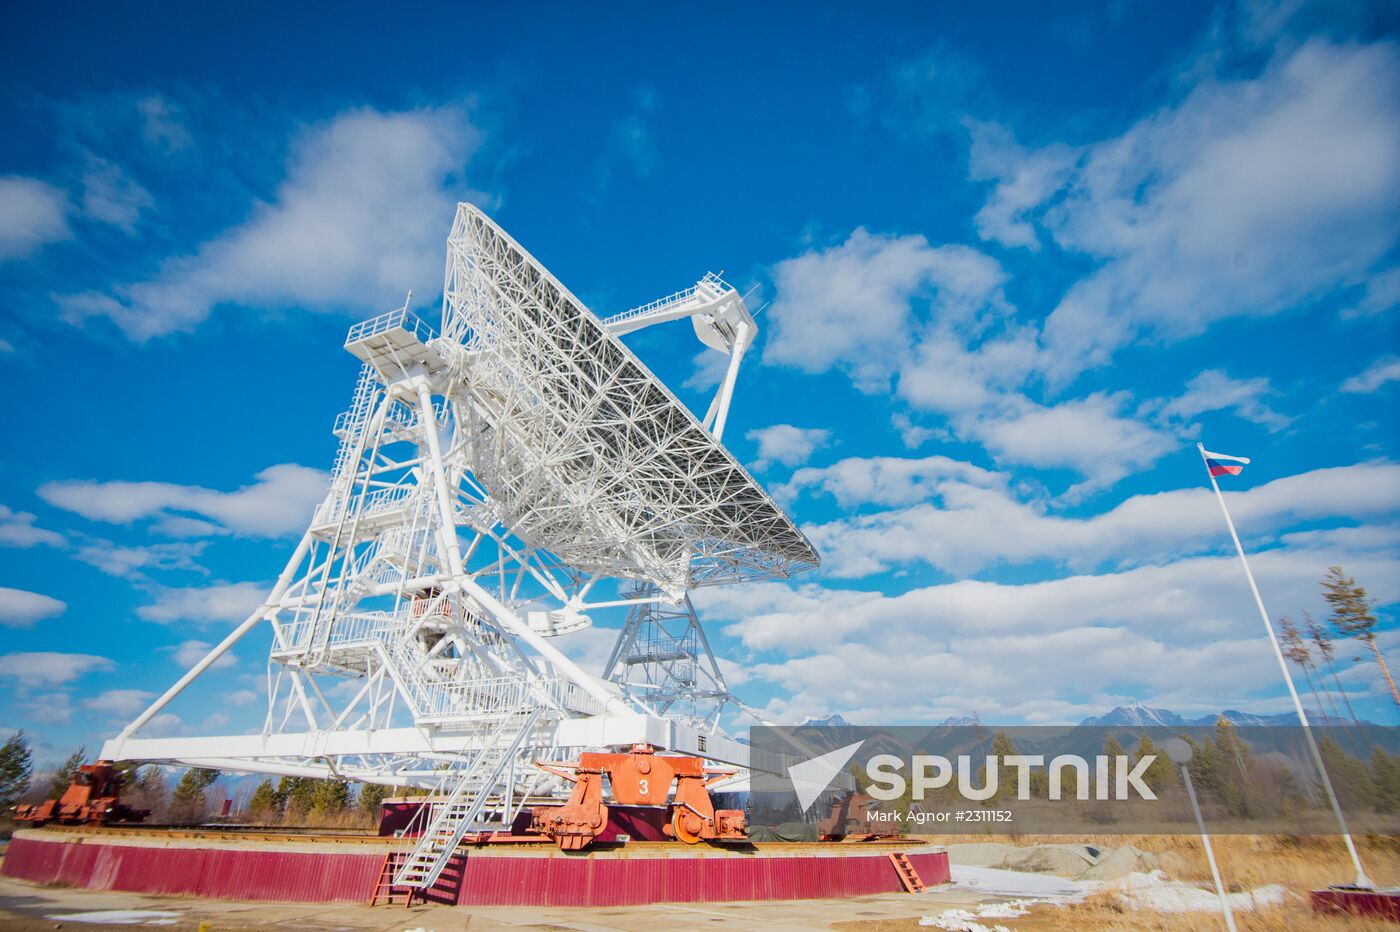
[1137, 715]
[831, 721]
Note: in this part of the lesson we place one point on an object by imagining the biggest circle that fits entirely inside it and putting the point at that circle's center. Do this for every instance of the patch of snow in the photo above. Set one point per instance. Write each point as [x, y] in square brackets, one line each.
[959, 920]
[1155, 892]
[991, 881]
[120, 917]
[1015, 909]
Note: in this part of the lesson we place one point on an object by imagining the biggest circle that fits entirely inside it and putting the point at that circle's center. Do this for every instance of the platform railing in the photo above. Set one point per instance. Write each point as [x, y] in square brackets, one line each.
[400, 318]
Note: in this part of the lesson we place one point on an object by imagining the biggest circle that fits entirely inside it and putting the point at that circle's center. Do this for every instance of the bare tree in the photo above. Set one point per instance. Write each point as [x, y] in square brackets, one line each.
[1295, 650]
[1318, 635]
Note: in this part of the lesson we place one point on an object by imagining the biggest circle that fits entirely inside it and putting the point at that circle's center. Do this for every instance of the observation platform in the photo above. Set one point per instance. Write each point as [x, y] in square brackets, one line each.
[272, 866]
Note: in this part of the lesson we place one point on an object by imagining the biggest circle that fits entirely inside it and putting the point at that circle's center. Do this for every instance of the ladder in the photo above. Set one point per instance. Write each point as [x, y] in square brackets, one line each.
[445, 890]
[384, 883]
[908, 877]
[449, 820]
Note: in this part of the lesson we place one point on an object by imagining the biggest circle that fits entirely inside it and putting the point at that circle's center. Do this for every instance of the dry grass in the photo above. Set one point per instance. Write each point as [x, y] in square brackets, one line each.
[1246, 862]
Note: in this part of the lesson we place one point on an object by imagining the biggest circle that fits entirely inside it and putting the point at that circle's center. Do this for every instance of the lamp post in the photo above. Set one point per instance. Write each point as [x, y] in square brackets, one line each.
[1179, 753]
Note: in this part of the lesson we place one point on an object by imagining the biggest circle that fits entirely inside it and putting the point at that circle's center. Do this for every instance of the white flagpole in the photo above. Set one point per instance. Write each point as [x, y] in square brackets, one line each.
[1210, 852]
[1361, 879]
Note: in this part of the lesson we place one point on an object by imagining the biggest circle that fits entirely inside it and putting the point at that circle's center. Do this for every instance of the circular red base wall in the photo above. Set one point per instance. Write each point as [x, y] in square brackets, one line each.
[310, 873]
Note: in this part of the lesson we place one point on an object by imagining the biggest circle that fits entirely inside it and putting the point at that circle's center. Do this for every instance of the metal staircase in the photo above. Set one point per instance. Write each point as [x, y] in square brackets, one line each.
[449, 819]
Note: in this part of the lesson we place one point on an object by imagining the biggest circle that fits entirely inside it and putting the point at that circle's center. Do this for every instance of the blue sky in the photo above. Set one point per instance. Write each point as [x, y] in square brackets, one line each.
[1016, 260]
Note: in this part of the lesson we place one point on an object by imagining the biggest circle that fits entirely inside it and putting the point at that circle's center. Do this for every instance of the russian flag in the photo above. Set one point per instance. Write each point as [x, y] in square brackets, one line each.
[1220, 464]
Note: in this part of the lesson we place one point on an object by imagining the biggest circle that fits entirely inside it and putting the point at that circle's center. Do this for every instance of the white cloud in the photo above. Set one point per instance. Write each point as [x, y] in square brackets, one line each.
[279, 503]
[242, 697]
[189, 653]
[133, 562]
[1214, 390]
[359, 220]
[964, 521]
[221, 603]
[161, 124]
[111, 196]
[32, 213]
[1246, 197]
[630, 142]
[1185, 635]
[21, 609]
[1382, 293]
[851, 304]
[916, 435]
[1024, 181]
[937, 317]
[1088, 435]
[709, 370]
[120, 703]
[47, 708]
[590, 647]
[1374, 377]
[887, 480]
[17, 530]
[786, 444]
[48, 668]
[952, 373]
[164, 725]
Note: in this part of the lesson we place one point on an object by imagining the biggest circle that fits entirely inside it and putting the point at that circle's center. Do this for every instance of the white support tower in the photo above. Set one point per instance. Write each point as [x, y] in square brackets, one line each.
[490, 476]
[663, 660]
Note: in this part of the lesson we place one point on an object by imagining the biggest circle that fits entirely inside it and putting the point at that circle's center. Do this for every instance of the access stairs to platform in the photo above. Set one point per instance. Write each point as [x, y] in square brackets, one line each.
[449, 820]
[908, 876]
[445, 890]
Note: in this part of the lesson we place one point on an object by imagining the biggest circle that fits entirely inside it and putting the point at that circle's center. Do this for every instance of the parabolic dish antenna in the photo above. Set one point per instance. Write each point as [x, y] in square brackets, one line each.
[588, 453]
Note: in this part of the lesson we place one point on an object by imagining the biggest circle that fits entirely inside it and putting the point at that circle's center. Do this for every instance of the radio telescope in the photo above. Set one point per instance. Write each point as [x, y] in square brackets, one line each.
[491, 475]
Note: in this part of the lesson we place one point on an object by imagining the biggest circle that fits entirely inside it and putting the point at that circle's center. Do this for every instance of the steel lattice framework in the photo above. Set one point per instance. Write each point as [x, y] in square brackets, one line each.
[584, 448]
[487, 479]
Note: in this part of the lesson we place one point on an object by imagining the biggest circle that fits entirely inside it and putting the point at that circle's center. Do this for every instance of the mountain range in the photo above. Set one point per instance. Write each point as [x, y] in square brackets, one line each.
[1135, 715]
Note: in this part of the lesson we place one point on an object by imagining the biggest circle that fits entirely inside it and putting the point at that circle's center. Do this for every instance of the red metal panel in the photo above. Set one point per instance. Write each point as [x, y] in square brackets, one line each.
[548, 879]
[226, 873]
[933, 868]
[1370, 903]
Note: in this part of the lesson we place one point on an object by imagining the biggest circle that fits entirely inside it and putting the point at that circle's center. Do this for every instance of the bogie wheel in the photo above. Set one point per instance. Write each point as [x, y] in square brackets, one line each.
[679, 818]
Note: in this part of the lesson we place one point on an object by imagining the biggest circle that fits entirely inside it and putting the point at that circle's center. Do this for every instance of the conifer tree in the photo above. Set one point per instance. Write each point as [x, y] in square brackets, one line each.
[145, 788]
[1006, 777]
[63, 777]
[329, 798]
[16, 767]
[1235, 769]
[1385, 774]
[1160, 774]
[189, 802]
[1352, 616]
[264, 803]
[373, 794]
[1206, 769]
[298, 794]
[1351, 779]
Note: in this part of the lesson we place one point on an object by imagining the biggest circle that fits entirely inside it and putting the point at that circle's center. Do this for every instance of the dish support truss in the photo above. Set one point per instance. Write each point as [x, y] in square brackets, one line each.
[486, 481]
[663, 661]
